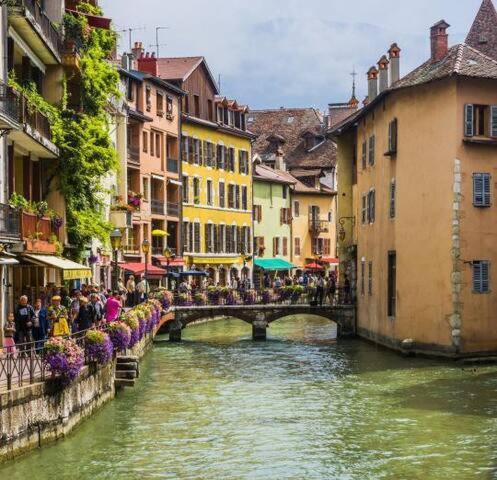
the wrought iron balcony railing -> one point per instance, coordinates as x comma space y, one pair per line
157, 207
318, 226
9, 222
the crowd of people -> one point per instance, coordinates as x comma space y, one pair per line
31, 324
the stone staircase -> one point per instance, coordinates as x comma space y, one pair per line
127, 371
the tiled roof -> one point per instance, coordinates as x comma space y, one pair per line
178, 68
262, 172
290, 124
483, 33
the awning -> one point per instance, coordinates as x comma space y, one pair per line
70, 270
173, 262
139, 269
8, 259
313, 266
215, 260
174, 182
273, 264
331, 261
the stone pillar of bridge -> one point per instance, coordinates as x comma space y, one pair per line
175, 331
259, 327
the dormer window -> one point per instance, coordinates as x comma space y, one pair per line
220, 114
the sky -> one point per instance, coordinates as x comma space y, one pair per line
290, 53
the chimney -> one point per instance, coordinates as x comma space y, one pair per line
383, 66
365, 102
138, 50
372, 83
148, 64
394, 54
279, 163
439, 41
127, 61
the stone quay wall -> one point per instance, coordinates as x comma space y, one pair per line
37, 414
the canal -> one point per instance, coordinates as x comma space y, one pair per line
298, 406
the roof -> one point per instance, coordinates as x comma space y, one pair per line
299, 173
461, 60
139, 269
483, 32
301, 187
180, 68
290, 124
142, 76
264, 173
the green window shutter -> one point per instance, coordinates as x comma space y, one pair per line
469, 126
493, 121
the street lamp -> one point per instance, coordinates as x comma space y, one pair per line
115, 241
245, 258
146, 251
168, 255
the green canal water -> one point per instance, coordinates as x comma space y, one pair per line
298, 406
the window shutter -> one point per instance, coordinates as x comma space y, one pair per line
364, 208
392, 136
469, 120
364, 156
486, 190
493, 120
477, 277
373, 207
481, 189
392, 199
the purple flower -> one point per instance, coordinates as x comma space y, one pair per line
100, 352
120, 335
135, 337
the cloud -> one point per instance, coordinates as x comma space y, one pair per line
272, 53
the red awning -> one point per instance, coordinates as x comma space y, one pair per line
313, 266
176, 262
139, 269
331, 261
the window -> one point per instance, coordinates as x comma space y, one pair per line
196, 237
186, 237
363, 272
370, 278
237, 197
259, 246
296, 209
364, 155
160, 104
169, 107
158, 143
209, 240
243, 164
196, 103
222, 195
258, 213
148, 98
285, 217
210, 111
196, 190
220, 156
371, 206
364, 211
146, 191
285, 246
392, 199
481, 189
186, 104
222, 239
276, 246
231, 196
372, 146
130, 88
285, 192
480, 120
191, 150
152, 144
481, 276
184, 148
220, 114
327, 247
244, 198
230, 166
209, 192
392, 283
186, 190
392, 137
145, 142
297, 247
330, 216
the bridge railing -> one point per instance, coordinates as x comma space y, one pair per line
219, 296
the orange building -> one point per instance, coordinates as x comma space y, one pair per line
416, 182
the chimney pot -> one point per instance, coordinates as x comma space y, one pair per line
439, 41
394, 54
383, 66
372, 83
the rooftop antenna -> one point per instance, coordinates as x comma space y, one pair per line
157, 44
353, 75
130, 31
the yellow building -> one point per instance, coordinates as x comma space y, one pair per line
216, 173
416, 181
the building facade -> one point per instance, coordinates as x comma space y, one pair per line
419, 244
216, 171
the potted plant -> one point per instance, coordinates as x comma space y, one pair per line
120, 335
64, 358
98, 347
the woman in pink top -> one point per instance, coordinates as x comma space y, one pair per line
113, 307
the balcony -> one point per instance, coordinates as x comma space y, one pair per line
9, 108
318, 226
39, 233
172, 165
133, 154
33, 25
35, 135
173, 209
9, 223
157, 207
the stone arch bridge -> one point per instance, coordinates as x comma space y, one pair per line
260, 316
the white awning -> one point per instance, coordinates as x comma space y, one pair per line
8, 260
157, 177
175, 182
70, 270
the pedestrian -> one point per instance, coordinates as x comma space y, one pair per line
74, 309
58, 317
84, 320
142, 290
9, 331
97, 309
65, 299
319, 295
346, 290
131, 289
40, 324
113, 307
24, 315
332, 288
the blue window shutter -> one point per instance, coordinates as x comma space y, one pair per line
485, 287
477, 277
469, 120
486, 189
493, 121
481, 276
478, 190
